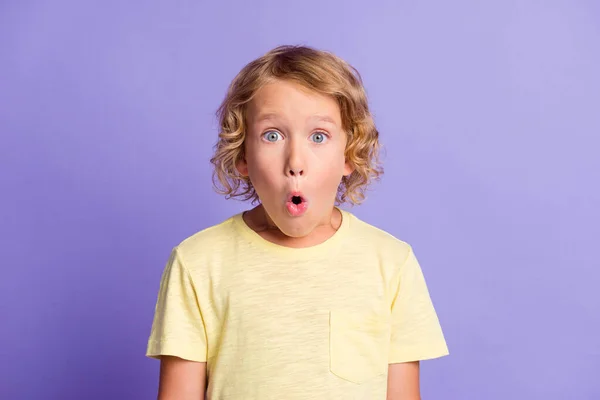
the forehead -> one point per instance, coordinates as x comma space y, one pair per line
293, 102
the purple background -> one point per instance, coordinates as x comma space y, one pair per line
490, 113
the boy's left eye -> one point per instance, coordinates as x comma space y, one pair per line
318, 137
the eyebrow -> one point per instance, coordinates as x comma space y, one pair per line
317, 118
266, 117
323, 118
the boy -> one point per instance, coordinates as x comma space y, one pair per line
295, 298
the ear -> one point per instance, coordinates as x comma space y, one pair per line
242, 167
348, 169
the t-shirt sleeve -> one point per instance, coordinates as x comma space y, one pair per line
178, 328
416, 332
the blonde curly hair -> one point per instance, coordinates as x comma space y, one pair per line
317, 70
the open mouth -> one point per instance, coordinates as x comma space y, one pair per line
297, 200
296, 204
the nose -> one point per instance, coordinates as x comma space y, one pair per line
295, 161
296, 172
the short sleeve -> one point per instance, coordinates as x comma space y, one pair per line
416, 331
178, 328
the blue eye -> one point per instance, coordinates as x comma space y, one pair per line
271, 136
318, 137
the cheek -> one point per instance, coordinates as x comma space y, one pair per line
262, 170
327, 172
331, 161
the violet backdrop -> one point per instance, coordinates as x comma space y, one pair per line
490, 115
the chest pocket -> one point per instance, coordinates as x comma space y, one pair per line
358, 345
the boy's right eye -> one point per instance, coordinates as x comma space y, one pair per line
272, 136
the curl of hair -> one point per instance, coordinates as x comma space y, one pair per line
317, 70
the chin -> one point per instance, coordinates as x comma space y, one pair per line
294, 227
291, 226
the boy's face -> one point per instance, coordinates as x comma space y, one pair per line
295, 160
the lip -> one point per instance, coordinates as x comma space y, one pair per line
296, 210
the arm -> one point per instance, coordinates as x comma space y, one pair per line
416, 331
403, 381
181, 379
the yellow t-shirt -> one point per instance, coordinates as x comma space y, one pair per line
274, 322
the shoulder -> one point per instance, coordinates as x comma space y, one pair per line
208, 242
376, 238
